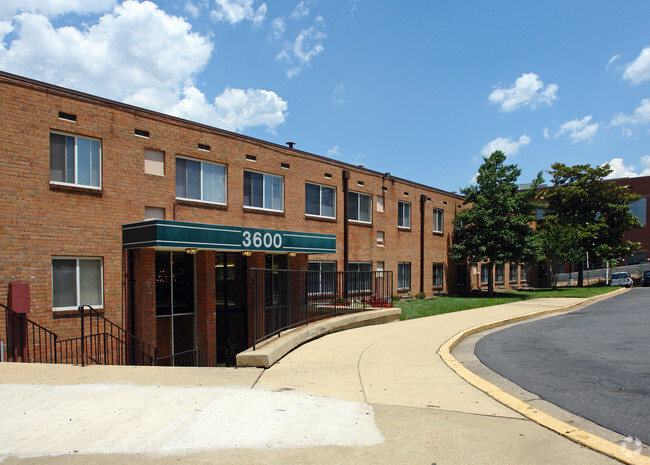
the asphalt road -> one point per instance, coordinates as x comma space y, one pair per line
594, 362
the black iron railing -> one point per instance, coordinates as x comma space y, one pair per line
285, 299
102, 342
28, 341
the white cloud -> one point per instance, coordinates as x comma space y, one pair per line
234, 11
546, 133
504, 144
579, 129
528, 90
641, 116
140, 55
234, 109
194, 8
300, 11
9, 8
302, 51
639, 70
619, 170
334, 152
278, 28
612, 60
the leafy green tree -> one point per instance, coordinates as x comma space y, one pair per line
559, 245
497, 228
594, 212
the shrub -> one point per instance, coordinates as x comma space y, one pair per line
421, 295
397, 298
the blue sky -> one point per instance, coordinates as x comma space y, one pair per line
420, 89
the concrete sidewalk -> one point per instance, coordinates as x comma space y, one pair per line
378, 394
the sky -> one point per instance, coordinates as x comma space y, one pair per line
422, 89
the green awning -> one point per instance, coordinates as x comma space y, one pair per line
178, 234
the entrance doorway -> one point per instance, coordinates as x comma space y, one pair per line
231, 307
175, 309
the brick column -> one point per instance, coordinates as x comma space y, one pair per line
144, 288
206, 334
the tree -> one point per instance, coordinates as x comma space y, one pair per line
497, 229
595, 212
559, 245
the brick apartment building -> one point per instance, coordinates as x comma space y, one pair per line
156, 220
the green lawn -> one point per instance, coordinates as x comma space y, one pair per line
420, 308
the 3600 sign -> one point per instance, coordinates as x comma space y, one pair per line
258, 240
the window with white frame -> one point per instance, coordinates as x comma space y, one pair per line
403, 214
524, 272
322, 280
437, 220
77, 281
380, 238
264, 191
359, 207
75, 160
403, 276
514, 272
320, 200
360, 280
200, 180
438, 274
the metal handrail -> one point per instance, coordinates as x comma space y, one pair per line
38, 344
110, 344
286, 299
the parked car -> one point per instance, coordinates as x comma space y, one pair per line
645, 280
622, 278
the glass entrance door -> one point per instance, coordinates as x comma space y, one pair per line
231, 307
175, 309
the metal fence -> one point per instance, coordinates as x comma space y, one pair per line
28, 341
285, 299
598, 275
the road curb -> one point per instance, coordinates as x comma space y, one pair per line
582, 437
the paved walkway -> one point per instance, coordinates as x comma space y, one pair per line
372, 395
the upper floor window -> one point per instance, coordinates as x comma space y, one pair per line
320, 200
403, 214
437, 220
359, 206
200, 180
76, 281
263, 191
75, 160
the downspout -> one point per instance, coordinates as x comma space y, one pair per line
423, 201
346, 236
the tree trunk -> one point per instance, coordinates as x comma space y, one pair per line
581, 274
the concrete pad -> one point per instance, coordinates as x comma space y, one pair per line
42, 420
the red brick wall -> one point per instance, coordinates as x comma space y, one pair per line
205, 303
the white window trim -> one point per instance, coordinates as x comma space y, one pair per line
320, 263
208, 202
441, 225
76, 158
409, 207
321, 200
250, 207
442, 274
77, 269
369, 210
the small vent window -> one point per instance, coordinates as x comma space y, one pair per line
141, 133
67, 116
328, 175
204, 147
251, 158
286, 166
